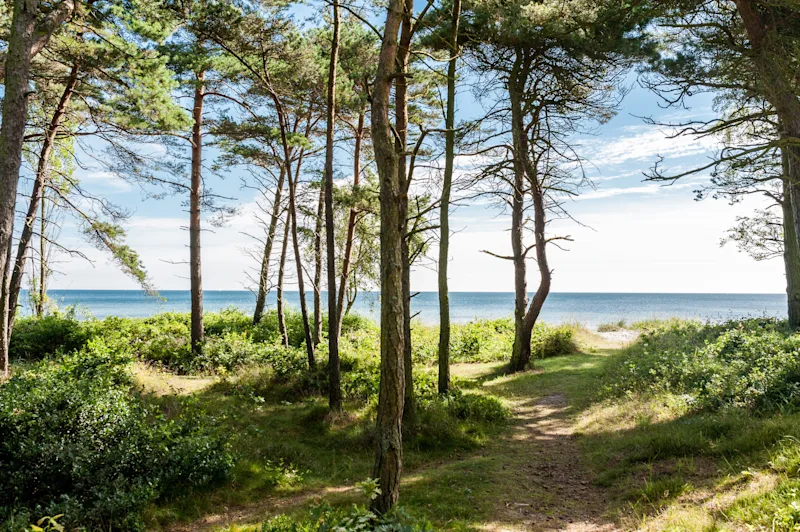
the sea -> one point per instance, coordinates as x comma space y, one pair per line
589, 309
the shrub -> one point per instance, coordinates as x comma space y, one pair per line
473, 407
75, 440
752, 364
551, 341
612, 327
325, 518
482, 341
35, 338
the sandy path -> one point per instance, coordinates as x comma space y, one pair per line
573, 503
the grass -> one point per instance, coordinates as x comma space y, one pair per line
653, 462
646, 458
327, 457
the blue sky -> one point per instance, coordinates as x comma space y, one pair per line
637, 236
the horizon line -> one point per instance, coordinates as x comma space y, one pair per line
421, 291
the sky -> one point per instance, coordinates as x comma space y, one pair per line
632, 235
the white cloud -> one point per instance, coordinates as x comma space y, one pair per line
646, 144
107, 181
601, 193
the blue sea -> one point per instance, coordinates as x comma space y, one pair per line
589, 309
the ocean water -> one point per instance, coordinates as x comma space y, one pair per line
590, 309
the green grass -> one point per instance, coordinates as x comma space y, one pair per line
653, 458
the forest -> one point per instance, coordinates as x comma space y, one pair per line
341, 117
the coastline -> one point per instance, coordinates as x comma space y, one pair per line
589, 309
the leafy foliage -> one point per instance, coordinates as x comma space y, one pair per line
325, 518
751, 364
75, 440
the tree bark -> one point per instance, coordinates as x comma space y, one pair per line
444, 212
281, 277
389, 441
335, 396
525, 315
778, 91
401, 141
351, 227
195, 198
37, 192
25, 40
791, 253
300, 277
42, 258
263, 278
316, 333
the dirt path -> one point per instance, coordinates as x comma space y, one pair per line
561, 493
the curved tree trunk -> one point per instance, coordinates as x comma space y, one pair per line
263, 278
389, 432
351, 227
335, 395
444, 212
525, 173
195, 198
42, 173
300, 276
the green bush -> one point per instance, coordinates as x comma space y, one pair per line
76, 440
482, 341
751, 364
35, 338
551, 341
473, 407
325, 518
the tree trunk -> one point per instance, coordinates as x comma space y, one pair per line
521, 351
195, 196
42, 173
389, 430
300, 277
791, 253
335, 396
316, 333
525, 316
779, 93
12, 133
42, 259
401, 141
281, 277
444, 213
351, 227
263, 278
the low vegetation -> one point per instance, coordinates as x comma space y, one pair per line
748, 364
700, 412
88, 436
106, 424
77, 439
